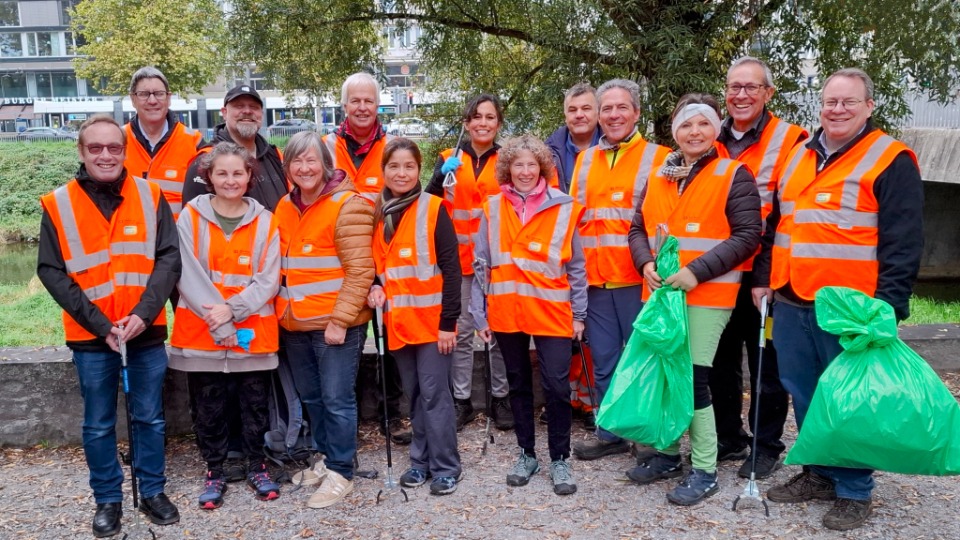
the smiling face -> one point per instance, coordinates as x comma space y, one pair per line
151, 110
361, 107
243, 116
743, 108
524, 171
102, 166
483, 126
841, 123
581, 114
401, 172
306, 171
230, 177
618, 116
695, 136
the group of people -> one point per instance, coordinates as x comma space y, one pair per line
515, 241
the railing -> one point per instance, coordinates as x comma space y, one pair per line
926, 114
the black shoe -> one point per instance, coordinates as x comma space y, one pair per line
642, 452
106, 521
766, 466
597, 448
400, 433
235, 469
589, 422
464, 410
502, 413
731, 452
657, 467
159, 510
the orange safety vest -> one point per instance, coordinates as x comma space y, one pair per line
110, 261
407, 268
465, 199
168, 167
610, 197
766, 160
529, 288
699, 221
310, 269
828, 230
235, 262
368, 179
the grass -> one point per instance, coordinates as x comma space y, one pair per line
930, 311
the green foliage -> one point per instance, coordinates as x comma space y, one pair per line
29, 316
185, 39
27, 171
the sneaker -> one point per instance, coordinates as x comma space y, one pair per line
805, 486
443, 485
414, 477
697, 486
731, 452
847, 514
311, 476
502, 413
333, 488
657, 467
642, 452
766, 466
213, 488
235, 469
563, 482
262, 485
464, 410
596, 449
525, 467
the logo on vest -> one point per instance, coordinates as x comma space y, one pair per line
823, 198
693, 227
129, 230
371, 181
616, 196
307, 248
170, 173
243, 260
406, 253
535, 247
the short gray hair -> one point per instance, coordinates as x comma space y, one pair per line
148, 72
301, 143
852, 73
579, 89
629, 86
359, 79
767, 76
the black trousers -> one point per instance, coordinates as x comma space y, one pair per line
368, 385
210, 398
554, 354
726, 381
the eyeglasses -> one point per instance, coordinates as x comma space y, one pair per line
750, 89
848, 103
143, 95
97, 149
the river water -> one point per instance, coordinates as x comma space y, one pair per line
18, 263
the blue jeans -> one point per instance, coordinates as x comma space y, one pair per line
610, 316
325, 376
803, 352
99, 374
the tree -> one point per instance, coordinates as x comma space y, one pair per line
183, 38
528, 51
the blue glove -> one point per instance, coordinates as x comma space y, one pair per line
244, 337
451, 164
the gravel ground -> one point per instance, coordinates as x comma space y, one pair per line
45, 496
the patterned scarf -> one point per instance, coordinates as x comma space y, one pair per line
362, 150
390, 209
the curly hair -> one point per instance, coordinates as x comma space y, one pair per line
224, 149
511, 149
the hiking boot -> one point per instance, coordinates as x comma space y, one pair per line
598, 448
263, 486
766, 466
731, 452
235, 469
464, 410
414, 477
805, 486
106, 520
642, 452
213, 487
525, 467
400, 433
562, 476
333, 488
697, 486
159, 510
502, 413
657, 467
847, 514
311, 476
443, 485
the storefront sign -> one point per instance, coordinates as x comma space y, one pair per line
17, 101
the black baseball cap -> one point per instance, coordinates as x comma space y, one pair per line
242, 90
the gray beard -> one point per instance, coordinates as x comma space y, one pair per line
246, 131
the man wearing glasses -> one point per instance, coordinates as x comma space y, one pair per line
160, 147
848, 212
754, 136
112, 277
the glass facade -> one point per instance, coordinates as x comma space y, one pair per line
11, 44
9, 13
13, 85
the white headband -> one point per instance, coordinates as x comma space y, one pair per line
692, 110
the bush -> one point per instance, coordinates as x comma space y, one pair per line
28, 171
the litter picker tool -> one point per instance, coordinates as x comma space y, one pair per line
450, 179
481, 270
752, 491
389, 484
591, 389
137, 527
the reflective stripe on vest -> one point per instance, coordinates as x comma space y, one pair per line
168, 167
465, 198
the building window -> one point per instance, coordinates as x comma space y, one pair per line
64, 84
11, 45
9, 13
65, 7
45, 43
44, 87
13, 85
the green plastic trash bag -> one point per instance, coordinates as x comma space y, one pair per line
878, 405
650, 398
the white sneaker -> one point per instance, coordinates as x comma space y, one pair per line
311, 476
333, 488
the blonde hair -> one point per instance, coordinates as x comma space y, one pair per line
511, 149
